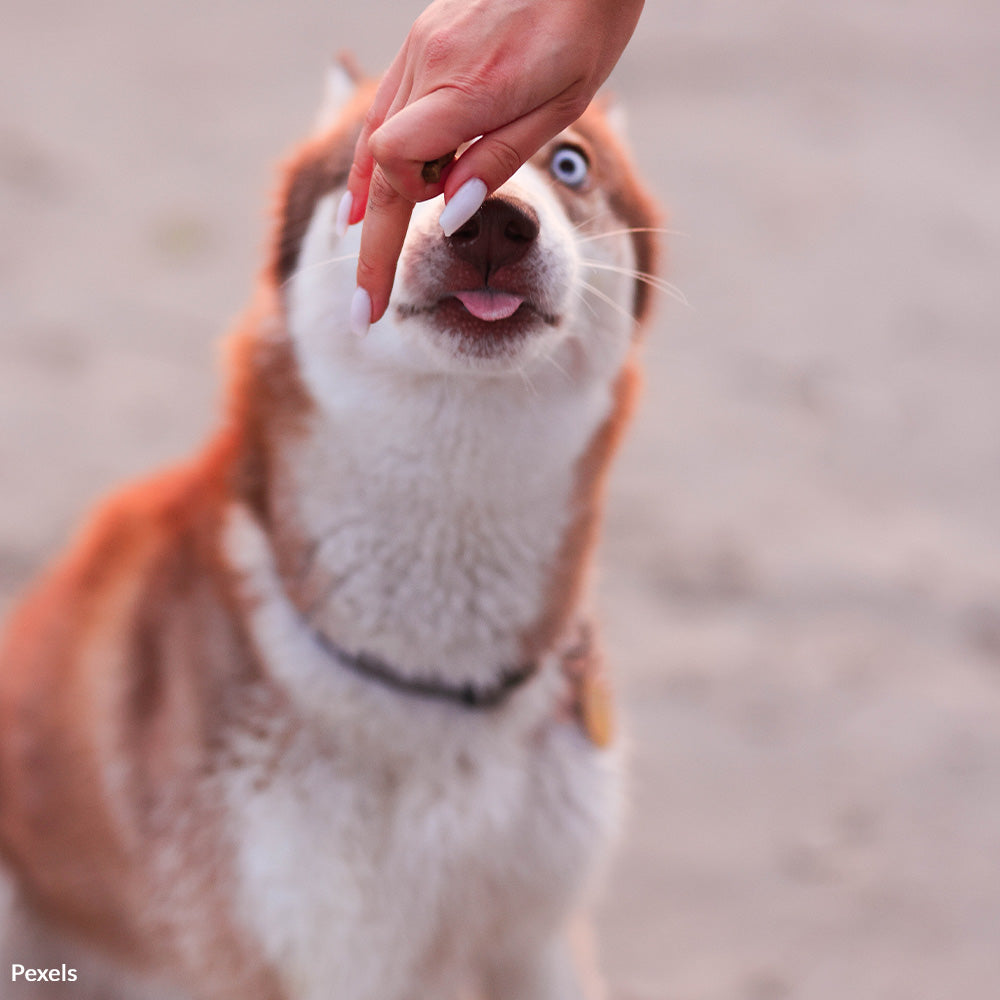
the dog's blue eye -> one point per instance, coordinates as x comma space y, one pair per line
570, 166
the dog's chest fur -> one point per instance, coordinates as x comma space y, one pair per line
427, 532
416, 862
393, 828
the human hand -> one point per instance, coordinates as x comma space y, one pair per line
515, 72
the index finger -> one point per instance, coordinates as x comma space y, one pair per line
363, 164
386, 219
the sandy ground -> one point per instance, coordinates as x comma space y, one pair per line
802, 568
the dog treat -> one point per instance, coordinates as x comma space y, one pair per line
433, 169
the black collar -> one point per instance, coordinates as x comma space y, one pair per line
467, 695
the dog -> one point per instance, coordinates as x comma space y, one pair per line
322, 712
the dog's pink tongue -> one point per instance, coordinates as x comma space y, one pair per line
488, 305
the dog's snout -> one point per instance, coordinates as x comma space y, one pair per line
499, 234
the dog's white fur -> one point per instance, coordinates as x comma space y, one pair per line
376, 845
466, 522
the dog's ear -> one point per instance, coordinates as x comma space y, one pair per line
617, 118
321, 163
343, 77
614, 114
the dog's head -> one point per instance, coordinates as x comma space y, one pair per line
483, 407
550, 275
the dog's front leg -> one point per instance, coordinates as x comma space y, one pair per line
548, 972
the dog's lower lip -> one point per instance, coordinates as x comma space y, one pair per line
450, 315
489, 305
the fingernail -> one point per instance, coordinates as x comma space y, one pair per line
464, 204
361, 312
344, 214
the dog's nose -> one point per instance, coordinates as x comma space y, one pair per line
500, 233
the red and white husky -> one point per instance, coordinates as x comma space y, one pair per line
320, 714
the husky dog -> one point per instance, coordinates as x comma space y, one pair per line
321, 713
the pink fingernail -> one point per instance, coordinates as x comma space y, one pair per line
464, 204
344, 215
361, 312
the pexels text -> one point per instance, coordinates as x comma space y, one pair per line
62, 975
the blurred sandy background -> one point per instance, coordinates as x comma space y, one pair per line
802, 569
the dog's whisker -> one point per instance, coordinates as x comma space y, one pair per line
579, 294
526, 380
633, 229
547, 357
617, 306
654, 281
319, 264
580, 226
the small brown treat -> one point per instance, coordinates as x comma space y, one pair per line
433, 169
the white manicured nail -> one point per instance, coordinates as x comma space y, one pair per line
464, 204
361, 312
343, 214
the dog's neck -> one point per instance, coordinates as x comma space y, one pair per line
424, 519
